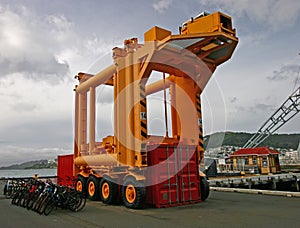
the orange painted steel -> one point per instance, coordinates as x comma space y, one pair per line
130, 193
189, 58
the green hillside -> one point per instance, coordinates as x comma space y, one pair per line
284, 141
40, 164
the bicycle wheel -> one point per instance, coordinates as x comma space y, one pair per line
9, 192
24, 199
49, 206
43, 203
37, 202
78, 202
15, 197
31, 201
18, 198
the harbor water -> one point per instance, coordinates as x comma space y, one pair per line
15, 173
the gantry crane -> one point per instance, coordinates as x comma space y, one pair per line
131, 165
282, 115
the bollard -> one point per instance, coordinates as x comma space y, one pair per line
295, 184
273, 183
249, 183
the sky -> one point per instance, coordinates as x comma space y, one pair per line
44, 44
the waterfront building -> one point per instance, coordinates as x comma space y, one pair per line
255, 160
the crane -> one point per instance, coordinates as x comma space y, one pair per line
281, 116
132, 166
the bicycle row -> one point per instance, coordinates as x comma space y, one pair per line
43, 197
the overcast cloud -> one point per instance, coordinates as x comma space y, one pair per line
285, 72
43, 44
273, 14
162, 5
30, 44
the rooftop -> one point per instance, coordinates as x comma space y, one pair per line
254, 151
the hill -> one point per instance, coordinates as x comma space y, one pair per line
284, 141
40, 164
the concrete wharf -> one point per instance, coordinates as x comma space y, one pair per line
287, 181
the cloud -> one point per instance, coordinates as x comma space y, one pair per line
262, 108
9, 95
233, 99
30, 45
249, 117
16, 154
272, 14
43, 131
45, 47
162, 5
256, 108
24, 107
284, 73
105, 95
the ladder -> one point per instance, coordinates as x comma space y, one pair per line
282, 115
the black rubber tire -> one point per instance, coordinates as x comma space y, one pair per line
37, 203
95, 181
18, 199
204, 187
140, 194
78, 202
49, 207
5, 189
83, 181
9, 192
24, 199
113, 192
32, 201
43, 203
30, 196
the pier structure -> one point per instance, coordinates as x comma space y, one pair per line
286, 182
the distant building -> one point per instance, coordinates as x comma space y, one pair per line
255, 160
292, 155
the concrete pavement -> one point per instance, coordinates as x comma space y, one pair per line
222, 209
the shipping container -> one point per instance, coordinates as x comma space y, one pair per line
172, 176
65, 175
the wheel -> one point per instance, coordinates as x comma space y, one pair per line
77, 201
8, 192
5, 190
49, 206
24, 199
15, 197
37, 203
93, 188
204, 187
80, 184
133, 194
43, 204
108, 191
31, 202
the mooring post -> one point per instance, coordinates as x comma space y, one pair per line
273, 183
249, 183
295, 183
